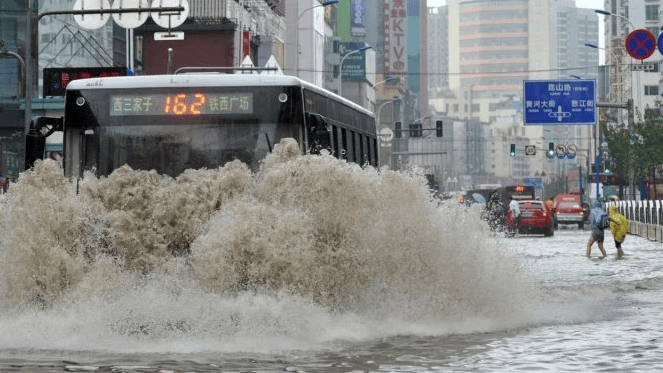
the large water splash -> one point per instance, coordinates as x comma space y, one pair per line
312, 233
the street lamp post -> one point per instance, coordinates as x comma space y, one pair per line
340, 67
325, 3
20, 59
377, 119
616, 63
388, 80
580, 188
606, 13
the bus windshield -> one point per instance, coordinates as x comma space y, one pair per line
173, 129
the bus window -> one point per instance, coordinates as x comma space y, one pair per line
357, 148
157, 123
335, 147
350, 146
343, 144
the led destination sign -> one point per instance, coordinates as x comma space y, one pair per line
181, 104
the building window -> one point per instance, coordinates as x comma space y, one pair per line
455, 108
651, 90
651, 12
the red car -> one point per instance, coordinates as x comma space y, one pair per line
534, 218
568, 210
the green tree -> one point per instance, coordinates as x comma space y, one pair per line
637, 151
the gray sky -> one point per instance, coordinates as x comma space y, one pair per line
591, 4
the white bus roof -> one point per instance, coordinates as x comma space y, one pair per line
202, 80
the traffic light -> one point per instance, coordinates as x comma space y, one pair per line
551, 150
438, 128
397, 130
512, 153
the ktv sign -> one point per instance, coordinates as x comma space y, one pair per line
395, 28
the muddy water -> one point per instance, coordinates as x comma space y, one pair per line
310, 264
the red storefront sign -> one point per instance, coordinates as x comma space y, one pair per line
395, 26
246, 43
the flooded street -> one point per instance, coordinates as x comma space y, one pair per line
279, 279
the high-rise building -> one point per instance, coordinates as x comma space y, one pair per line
641, 85
492, 47
438, 50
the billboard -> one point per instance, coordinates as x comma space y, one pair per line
354, 66
57, 79
358, 18
395, 48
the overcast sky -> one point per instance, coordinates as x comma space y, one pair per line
592, 4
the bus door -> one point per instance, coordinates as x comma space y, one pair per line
81, 146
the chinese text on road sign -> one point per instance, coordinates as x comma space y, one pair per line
559, 102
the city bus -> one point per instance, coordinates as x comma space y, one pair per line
170, 123
518, 192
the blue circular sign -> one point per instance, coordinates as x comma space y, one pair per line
640, 44
660, 41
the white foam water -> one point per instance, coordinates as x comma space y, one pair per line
307, 251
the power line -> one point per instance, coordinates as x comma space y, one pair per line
496, 73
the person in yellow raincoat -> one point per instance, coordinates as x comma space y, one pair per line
618, 227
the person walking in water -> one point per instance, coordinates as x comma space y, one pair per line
514, 206
618, 227
600, 221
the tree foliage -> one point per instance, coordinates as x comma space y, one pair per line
637, 151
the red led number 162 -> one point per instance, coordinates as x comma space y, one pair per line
178, 106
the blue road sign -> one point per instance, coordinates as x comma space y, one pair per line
660, 43
559, 102
536, 182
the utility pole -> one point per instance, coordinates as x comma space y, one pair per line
631, 121
30, 38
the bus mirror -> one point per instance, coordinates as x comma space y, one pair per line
46, 125
35, 139
35, 144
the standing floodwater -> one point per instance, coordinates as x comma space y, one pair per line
311, 264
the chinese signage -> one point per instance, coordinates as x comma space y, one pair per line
395, 50
354, 66
559, 101
358, 17
181, 104
57, 79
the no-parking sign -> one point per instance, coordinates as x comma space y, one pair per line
640, 44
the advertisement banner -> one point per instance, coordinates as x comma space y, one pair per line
358, 18
354, 66
395, 26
